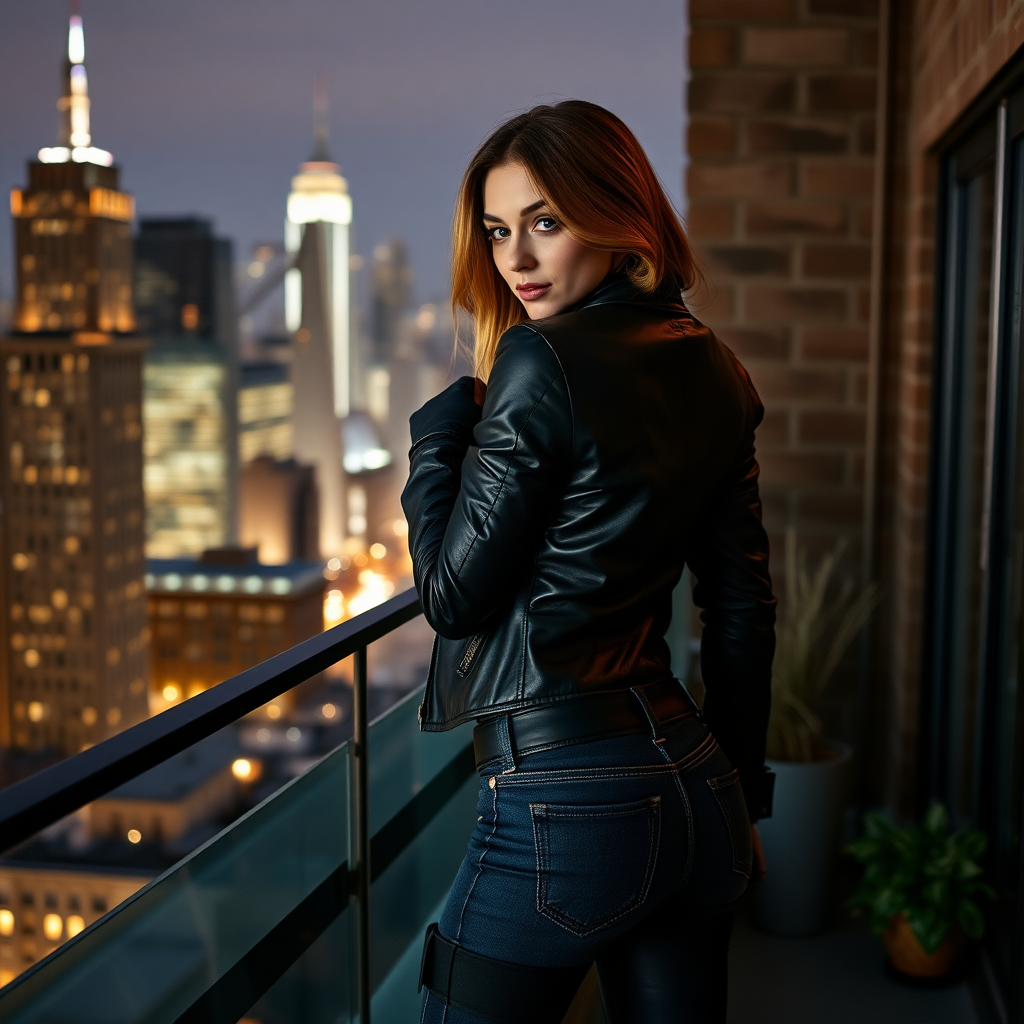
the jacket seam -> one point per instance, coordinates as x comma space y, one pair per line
504, 476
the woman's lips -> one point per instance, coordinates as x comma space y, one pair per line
530, 291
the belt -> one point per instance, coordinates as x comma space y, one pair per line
600, 716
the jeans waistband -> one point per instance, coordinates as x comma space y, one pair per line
599, 716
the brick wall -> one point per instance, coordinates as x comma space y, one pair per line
946, 52
782, 107
781, 137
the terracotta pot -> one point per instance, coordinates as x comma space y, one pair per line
908, 957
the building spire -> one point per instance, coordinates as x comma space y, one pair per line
321, 131
75, 142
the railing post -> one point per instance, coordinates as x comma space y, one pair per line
361, 832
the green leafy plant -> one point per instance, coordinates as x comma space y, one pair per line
930, 876
816, 625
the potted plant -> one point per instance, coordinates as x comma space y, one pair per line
921, 887
817, 622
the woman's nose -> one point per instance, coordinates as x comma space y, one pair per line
520, 256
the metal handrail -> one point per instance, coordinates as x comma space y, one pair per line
44, 798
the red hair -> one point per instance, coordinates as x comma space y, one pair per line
597, 179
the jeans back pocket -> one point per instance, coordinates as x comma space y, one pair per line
729, 794
594, 863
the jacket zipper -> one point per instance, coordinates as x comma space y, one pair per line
467, 658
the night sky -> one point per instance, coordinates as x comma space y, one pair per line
207, 104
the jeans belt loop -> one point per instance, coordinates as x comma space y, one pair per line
508, 757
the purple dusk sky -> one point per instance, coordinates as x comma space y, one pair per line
207, 104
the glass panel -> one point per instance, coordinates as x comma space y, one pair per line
966, 582
1004, 762
154, 955
406, 897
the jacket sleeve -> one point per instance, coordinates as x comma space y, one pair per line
476, 515
734, 591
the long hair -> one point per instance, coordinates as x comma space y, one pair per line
597, 179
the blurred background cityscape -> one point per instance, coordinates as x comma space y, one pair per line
212, 336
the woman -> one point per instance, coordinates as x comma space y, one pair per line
551, 513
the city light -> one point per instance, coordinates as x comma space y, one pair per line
171, 692
74, 925
134, 835
329, 711
36, 711
6, 922
378, 551
273, 712
53, 926
241, 768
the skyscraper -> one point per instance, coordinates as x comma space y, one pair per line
184, 300
74, 628
326, 371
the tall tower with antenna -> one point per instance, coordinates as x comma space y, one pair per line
318, 310
73, 630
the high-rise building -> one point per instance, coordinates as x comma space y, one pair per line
326, 369
74, 632
391, 297
184, 301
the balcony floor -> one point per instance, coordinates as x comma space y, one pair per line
836, 977
833, 978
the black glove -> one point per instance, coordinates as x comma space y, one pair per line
455, 412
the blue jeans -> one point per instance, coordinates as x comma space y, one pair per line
629, 852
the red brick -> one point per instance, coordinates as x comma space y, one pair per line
828, 344
730, 92
713, 304
774, 428
837, 261
795, 303
781, 384
747, 260
750, 343
749, 178
866, 136
846, 8
712, 47
839, 177
796, 136
800, 468
835, 508
865, 219
711, 136
869, 47
796, 47
710, 220
742, 10
798, 217
817, 427
842, 92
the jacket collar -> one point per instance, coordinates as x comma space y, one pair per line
617, 287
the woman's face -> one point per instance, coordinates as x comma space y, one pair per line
545, 266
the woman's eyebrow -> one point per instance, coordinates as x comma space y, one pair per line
522, 213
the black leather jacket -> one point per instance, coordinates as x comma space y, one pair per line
615, 445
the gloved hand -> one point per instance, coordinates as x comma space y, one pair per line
456, 411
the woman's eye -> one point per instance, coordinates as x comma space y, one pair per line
495, 234
546, 224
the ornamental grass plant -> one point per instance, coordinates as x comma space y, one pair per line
816, 625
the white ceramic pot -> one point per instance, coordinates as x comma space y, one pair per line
801, 843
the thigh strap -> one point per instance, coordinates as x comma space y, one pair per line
494, 990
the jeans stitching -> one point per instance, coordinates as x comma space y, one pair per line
577, 928
476, 878
692, 760
717, 785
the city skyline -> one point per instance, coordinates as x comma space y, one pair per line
209, 110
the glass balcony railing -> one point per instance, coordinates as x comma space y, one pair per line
306, 908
